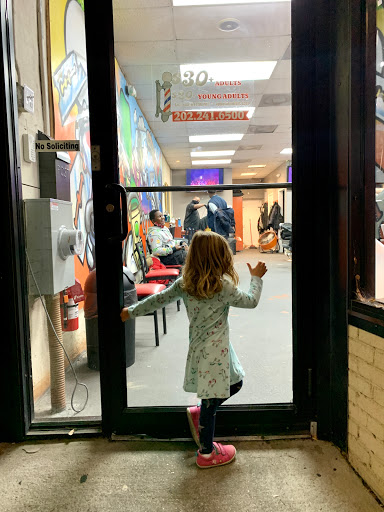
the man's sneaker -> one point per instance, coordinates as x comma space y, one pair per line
220, 456
193, 414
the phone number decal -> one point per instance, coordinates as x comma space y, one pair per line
203, 115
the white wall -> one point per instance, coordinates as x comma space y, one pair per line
251, 214
181, 199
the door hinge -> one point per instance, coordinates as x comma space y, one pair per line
313, 429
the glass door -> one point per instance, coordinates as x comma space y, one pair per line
178, 108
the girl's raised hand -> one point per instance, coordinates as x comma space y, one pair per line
259, 270
124, 315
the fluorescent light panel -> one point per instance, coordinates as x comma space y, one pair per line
248, 173
259, 165
286, 151
183, 3
222, 137
198, 154
210, 162
232, 71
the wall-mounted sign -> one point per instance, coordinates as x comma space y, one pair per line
49, 146
210, 115
200, 90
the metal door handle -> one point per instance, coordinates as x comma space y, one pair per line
124, 211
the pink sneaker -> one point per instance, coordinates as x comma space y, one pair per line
220, 456
193, 414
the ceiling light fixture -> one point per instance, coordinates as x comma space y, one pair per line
286, 151
222, 137
248, 173
183, 3
228, 25
231, 71
198, 154
210, 162
258, 165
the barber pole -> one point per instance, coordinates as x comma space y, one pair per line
166, 87
167, 100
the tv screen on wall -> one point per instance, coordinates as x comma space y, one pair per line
202, 177
289, 174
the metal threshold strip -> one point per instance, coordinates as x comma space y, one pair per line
143, 437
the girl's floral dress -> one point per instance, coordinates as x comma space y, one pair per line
212, 365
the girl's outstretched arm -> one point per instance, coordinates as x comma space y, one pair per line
240, 299
150, 304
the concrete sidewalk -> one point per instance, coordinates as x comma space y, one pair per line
97, 475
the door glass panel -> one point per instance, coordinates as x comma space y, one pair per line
57, 192
204, 98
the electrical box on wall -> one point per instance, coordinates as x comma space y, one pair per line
51, 243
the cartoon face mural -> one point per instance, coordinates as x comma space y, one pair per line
71, 114
140, 165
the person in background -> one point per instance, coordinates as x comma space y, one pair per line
161, 241
192, 217
208, 287
214, 203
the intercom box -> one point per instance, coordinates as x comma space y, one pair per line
43, 220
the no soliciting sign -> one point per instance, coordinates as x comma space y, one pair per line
47, 146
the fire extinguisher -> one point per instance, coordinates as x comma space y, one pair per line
69, 305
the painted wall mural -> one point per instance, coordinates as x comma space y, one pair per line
71, 115
140, 164
140, 157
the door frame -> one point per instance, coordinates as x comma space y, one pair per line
325, 38
159, 422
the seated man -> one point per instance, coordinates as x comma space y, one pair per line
162, 244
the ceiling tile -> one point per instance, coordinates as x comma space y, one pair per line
255, 20
137, 75
282, 69
155, 24
144, 53
279, 86
145, 92
231, 50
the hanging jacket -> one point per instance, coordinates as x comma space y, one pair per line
262, 224
275, 216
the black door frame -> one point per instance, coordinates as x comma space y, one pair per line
325, 38
156, 421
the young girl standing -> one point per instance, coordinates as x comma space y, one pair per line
208, 288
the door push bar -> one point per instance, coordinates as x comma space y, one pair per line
207, 188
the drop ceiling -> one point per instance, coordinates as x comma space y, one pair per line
152, 36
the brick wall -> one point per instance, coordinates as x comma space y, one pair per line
366, 407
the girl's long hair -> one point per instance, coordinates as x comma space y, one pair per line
209, 259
